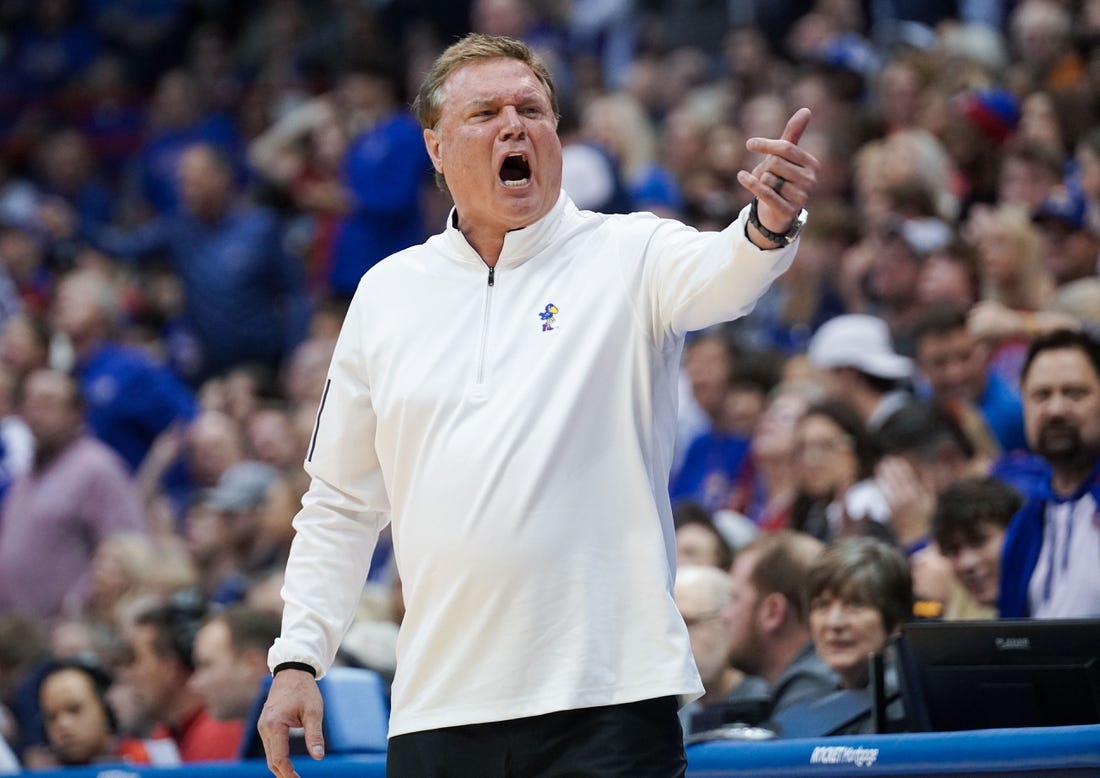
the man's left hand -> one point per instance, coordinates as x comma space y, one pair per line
783, 181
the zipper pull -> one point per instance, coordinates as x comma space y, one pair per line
492, 275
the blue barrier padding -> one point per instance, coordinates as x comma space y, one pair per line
357, 766
1031, 752
1027, 751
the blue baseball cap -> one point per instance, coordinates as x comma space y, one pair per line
1065, 205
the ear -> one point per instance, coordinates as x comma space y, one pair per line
772, 612
433, 141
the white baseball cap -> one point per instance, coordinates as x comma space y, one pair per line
859, 341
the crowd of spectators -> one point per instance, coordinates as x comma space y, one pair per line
191, 189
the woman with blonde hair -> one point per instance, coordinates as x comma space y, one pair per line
1015, 284
619, 124
130, 566
1008, 254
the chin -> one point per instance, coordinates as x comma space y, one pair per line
985, 597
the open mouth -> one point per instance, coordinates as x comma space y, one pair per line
515, 170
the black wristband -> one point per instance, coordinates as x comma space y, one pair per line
779, 239
754, 219
294, 666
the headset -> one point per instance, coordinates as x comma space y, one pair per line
186, 612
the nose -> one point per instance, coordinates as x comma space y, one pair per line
1059, 403
836, 614
1054, 407
511, 125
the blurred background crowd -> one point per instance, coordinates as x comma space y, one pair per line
191, 189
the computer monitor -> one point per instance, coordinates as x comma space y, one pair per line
1002, 673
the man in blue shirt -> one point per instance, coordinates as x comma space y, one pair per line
128, 398
1048, 564
385, 171
244, 294
955, 365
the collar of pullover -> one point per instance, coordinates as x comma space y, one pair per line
519, 245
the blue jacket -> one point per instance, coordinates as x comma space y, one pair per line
1024, 540
710, 469
130, 400
385, 169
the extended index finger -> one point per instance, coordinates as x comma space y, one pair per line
786, 146
797, 125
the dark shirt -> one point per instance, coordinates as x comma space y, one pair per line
245, 298
807, 677
46, 60
746, 704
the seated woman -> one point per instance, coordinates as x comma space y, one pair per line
834, 459
859, 593
79, 724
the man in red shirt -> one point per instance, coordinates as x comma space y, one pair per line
161, 641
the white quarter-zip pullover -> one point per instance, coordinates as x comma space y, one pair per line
516, 425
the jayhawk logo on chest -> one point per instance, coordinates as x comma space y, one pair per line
549, 317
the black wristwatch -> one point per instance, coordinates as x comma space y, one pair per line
780, 239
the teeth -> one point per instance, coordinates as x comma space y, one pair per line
517, 182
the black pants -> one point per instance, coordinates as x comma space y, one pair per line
632, 740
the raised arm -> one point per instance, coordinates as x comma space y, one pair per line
782, 181
698, 279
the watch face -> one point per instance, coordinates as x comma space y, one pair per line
796, 228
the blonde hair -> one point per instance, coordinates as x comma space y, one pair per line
916, 155
1032, 287
623, 126
475, 47
151, 566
